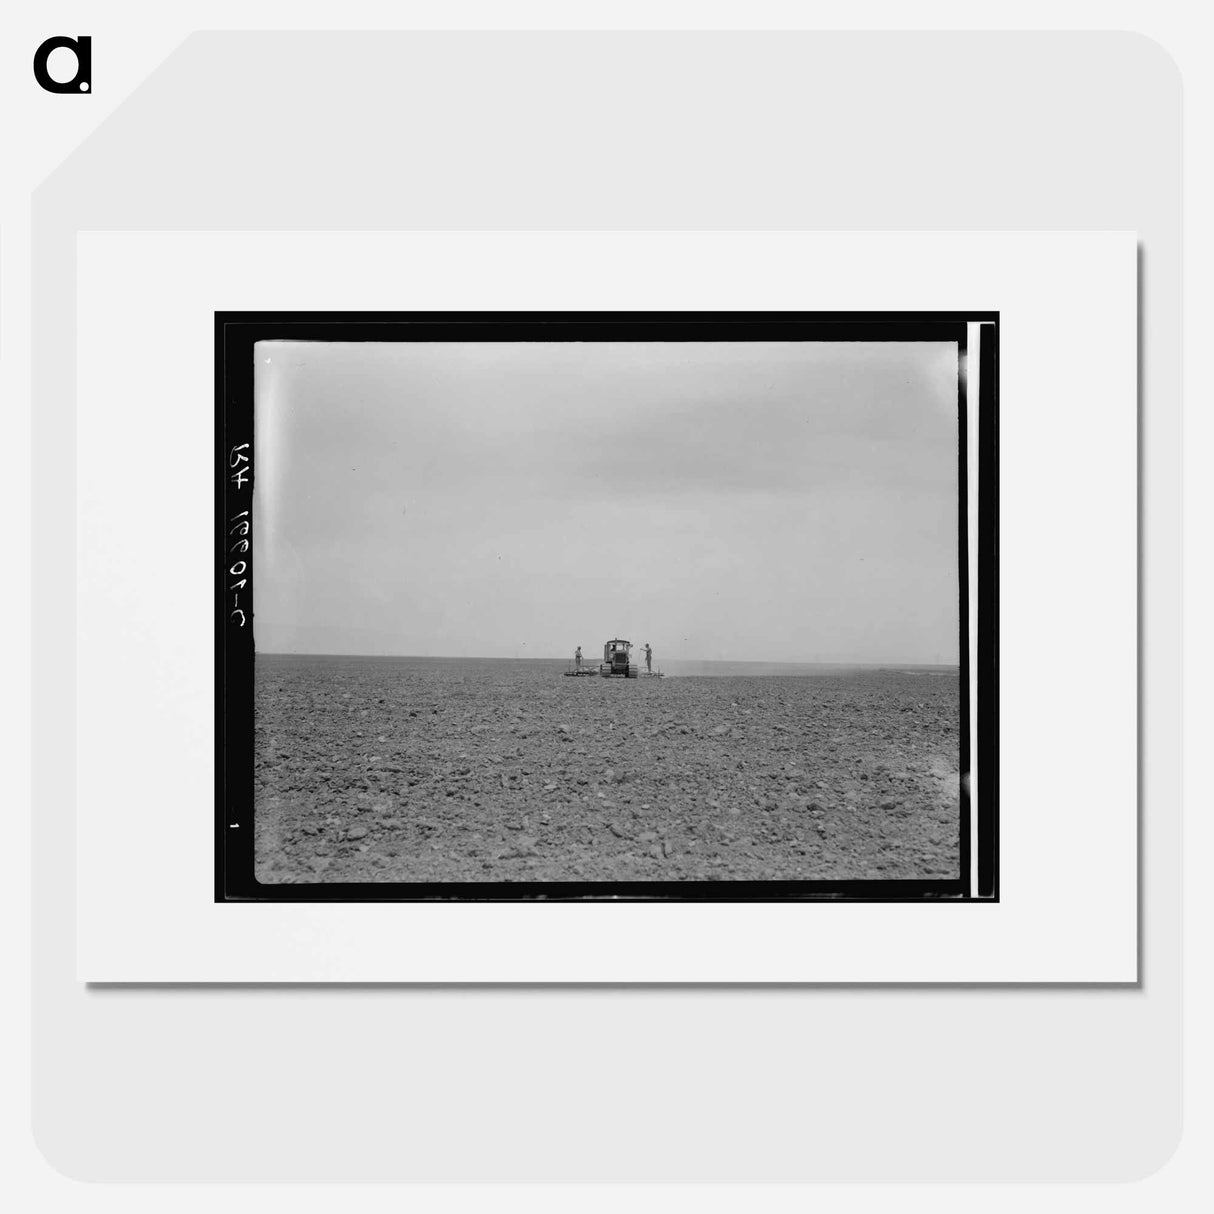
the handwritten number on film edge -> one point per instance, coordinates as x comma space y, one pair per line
241, 478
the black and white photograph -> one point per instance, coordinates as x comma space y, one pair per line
595, 606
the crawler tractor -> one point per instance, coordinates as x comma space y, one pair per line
617, 660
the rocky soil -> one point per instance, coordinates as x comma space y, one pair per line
389, 770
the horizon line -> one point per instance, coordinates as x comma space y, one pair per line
452, 657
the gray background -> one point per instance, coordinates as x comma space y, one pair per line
609, 131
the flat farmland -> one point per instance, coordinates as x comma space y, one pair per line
437, 770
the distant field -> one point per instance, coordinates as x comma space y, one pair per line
436, 769
801, 669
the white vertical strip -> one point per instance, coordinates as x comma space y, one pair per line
973, 351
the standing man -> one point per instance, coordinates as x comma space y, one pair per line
577, 658
648, 658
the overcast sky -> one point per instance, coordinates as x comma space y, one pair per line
740, 500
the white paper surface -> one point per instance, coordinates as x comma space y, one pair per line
1068, 424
